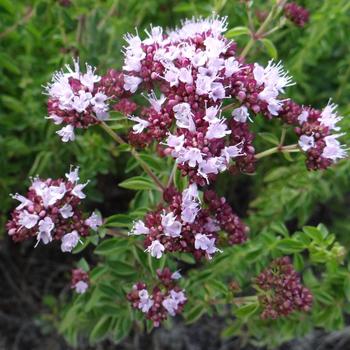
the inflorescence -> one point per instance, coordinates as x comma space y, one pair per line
51, 211
79, 281
166, 298
296, 13
184, 225
283, 291
201, 78
76, 100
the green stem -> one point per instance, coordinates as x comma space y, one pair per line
144, 166
244, 300
231, 105
274, 12
172, 174
112, 134
283, 136
109, 14
278, 149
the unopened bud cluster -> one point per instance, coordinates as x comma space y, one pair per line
283, 291
51, 211
296, 13
166, 298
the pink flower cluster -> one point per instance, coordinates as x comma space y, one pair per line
50, 211
200, 77
79, 281
297, 14
76, 100
283, 291
197, 70
165, 299
193, 67
314, 129
185, 226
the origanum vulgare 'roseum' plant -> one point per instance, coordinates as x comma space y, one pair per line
189, 98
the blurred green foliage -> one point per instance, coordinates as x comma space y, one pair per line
39, 36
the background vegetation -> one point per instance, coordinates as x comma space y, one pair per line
39, 36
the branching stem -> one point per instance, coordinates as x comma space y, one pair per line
278, 149
144, 166
275, 10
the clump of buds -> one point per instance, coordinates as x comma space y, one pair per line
225, 217
79, 281
185, 226
297, 14
51, 211
166, 298
283, 291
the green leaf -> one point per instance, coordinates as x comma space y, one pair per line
246, 311
107, 290
270, 48
122, 269
298, 262
100, 330
111, 245
231, 330
269, 137
280, 227
289, 245
184, 7
277, 174
152, 161
83, 265
118, 220
97, 272
8, 6
122, 328
7, 63
187, 258
195, 313
81, 246
322, 296
314, 233
347, 287
237, 31
138, 183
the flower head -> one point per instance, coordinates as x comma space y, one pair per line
51, 211
284, 291
76, 100
79, 281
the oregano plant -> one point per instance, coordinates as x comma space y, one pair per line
185, 106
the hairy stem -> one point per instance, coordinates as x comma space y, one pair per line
144, 166
278, 149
